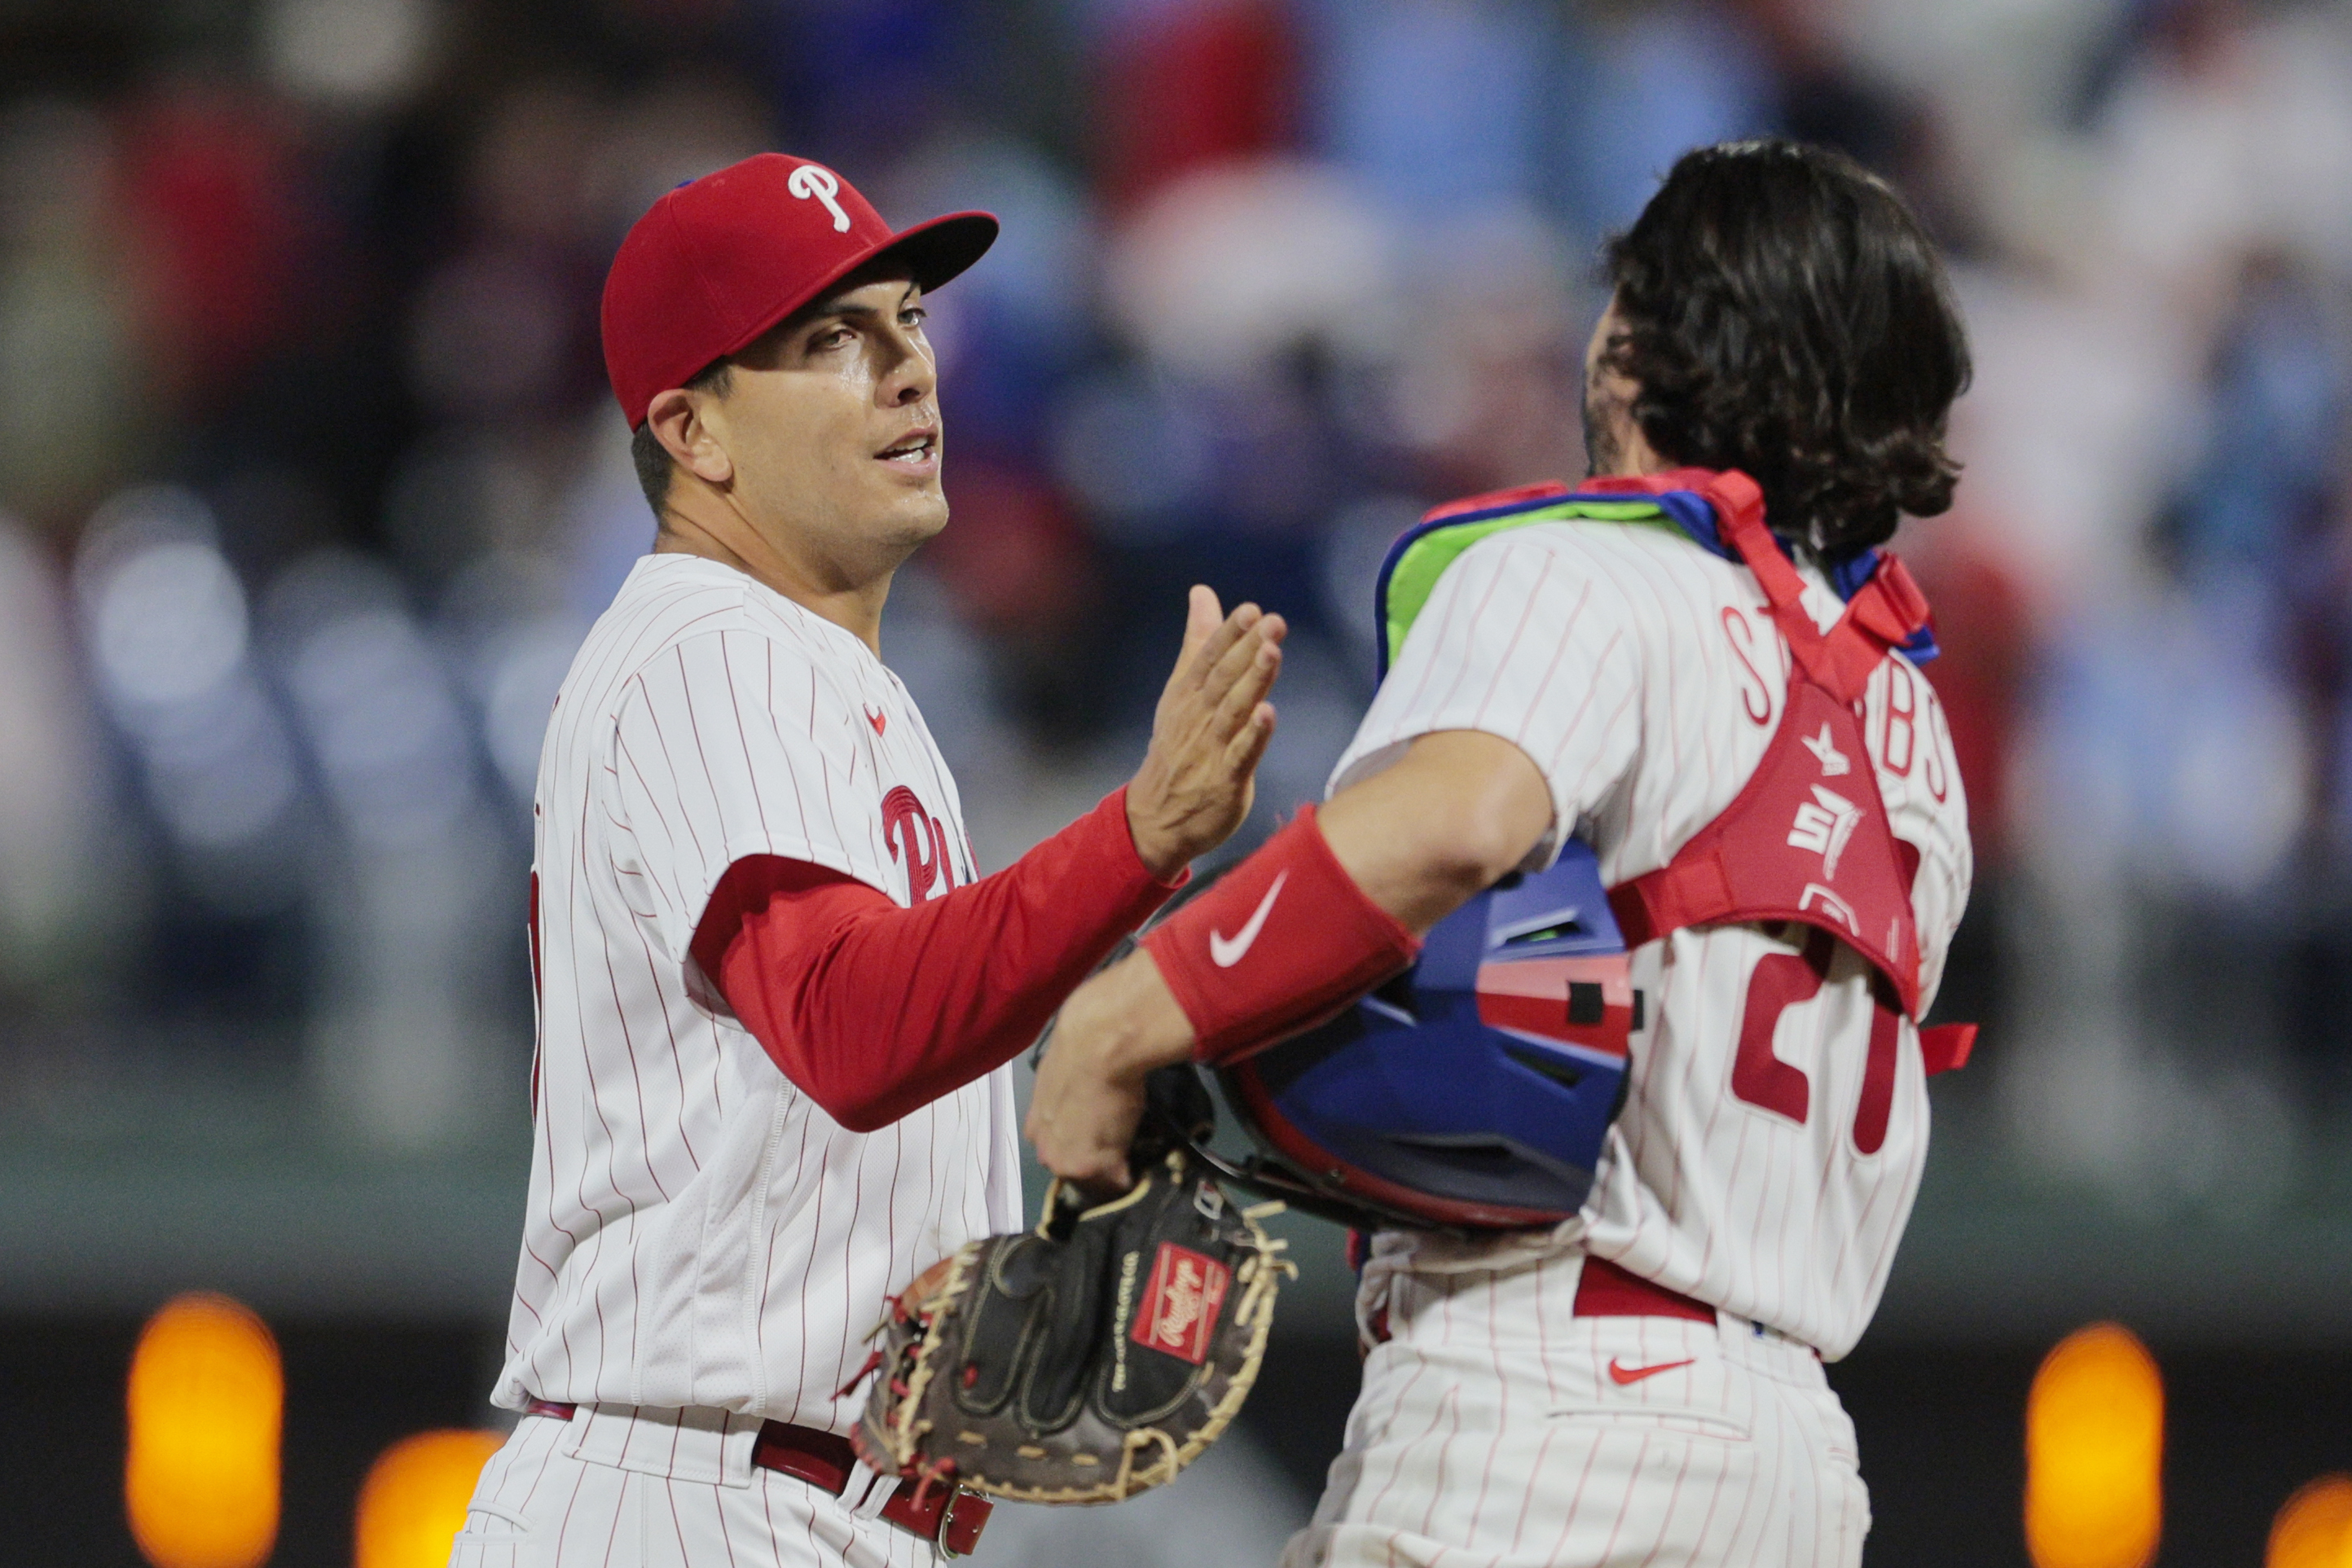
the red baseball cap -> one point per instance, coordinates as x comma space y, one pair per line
722, 259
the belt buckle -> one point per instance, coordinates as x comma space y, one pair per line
957, 1492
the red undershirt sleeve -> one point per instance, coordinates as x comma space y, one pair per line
873, 1010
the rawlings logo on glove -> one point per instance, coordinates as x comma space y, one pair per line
1180, 1305
1085, 1361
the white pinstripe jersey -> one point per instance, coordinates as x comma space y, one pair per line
1644, 677
701, 1232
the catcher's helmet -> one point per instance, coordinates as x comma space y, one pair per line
1473, 1091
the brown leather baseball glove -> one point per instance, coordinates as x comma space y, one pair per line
1085, 1361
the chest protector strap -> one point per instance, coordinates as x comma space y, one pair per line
1807, 838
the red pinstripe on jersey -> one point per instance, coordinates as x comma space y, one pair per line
699, 1233
559, 1496
1629, 665
1735, 1452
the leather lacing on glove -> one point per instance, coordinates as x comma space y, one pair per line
1087, 1360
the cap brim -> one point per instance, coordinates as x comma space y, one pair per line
933, 253
937, 251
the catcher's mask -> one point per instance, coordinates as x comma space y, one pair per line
1471, 1093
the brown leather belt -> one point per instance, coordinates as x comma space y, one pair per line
943, 1513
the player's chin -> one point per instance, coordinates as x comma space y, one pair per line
918, 514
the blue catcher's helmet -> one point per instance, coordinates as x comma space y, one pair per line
1472, 1092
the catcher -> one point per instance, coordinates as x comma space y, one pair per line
1698, 676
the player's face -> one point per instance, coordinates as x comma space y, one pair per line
833, 425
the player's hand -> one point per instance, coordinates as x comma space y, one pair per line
1201, 774
1111, 1033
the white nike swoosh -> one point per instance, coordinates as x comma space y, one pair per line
1226, 951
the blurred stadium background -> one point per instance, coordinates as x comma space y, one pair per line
310, 485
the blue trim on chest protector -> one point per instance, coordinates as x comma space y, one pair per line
1846, 575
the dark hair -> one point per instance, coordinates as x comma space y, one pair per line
1784, 314
652, 459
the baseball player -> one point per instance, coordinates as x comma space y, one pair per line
776, 999
1644, 1385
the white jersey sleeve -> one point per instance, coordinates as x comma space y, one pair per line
1518, 643
732, 744
1643, 676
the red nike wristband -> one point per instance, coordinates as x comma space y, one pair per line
1283, 941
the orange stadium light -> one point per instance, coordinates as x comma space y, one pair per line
2314, 1529
2094, 1453
205, 1403
414, 1498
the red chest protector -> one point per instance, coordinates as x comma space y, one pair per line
1807, 838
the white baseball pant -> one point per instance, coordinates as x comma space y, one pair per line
623, 1488
1496, 1427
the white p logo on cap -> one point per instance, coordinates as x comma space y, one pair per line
817, 180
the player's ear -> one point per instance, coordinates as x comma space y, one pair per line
677, 419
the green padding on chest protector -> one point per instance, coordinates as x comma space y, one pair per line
1421, 557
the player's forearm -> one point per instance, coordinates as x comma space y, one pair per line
884, 1010
1393, 847
1378, 865
1319, 916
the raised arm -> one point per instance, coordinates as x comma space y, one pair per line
1330, 906
873, 1010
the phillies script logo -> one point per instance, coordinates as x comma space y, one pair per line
921, 838
1180, 1303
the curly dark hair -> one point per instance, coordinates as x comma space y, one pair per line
1783, 313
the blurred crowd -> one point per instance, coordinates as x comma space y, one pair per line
312, 484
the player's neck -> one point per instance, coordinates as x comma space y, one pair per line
853, 603
1629, 456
